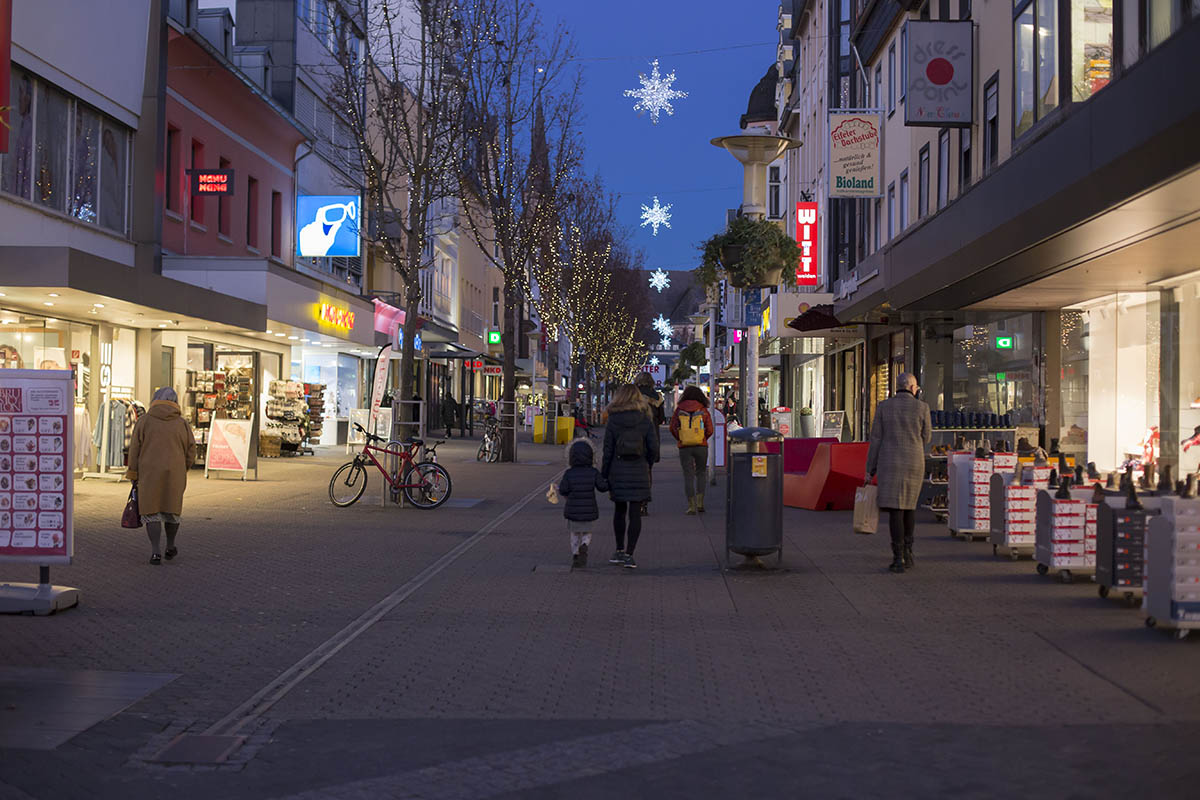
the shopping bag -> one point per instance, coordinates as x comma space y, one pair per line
131, 517
866, 513
552, 494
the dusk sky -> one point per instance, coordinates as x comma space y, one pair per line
673, 159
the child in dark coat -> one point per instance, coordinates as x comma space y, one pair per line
579, 485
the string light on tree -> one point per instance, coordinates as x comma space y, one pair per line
659, 280
655, 94
663, 326
656, 215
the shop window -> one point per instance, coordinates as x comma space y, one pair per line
50, 187
991, 123
196, 202
173, 195
903, 200
964, 9
223, 205
276, 224
1091, 47
998, 377
251, 212
891, 211
114, 177
84, 164
878, 222
943, 173
964, 159
892, 77
1035, 68
1163, 18
923, 183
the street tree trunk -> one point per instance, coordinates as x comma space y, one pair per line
508, 444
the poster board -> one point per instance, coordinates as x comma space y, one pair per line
832, 423
229, 446
36, 486
854, 151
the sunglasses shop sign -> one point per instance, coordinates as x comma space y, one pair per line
328, 225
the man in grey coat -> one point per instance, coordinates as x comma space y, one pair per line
900, 434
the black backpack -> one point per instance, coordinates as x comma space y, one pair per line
631, 444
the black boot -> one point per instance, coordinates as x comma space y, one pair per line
897, 564
909, 562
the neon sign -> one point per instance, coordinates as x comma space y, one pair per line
807, 273
337, 317
212, 181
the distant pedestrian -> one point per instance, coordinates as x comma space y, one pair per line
900, 434
161, 451
692, 427
449, 414
630, 447
654, 402
579, 485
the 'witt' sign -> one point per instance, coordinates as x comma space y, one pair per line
806, 236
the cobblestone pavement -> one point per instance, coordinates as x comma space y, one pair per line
507, 675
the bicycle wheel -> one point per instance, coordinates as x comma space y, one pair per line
493, 450
434, 488
482, 453
347, 484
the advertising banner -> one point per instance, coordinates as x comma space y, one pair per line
855, 148
381, 372
808, 271
940, 64
229, 446
36, 486
327, 225
831, 424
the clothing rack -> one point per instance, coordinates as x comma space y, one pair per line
103, 470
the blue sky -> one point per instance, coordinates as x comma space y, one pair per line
672, 159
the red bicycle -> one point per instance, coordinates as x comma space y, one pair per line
425, 484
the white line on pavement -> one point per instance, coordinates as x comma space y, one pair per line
273, 692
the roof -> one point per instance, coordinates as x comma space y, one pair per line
761, 107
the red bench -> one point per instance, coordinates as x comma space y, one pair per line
833, 472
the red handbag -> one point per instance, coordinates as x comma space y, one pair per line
131, 517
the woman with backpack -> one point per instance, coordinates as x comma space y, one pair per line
692, 427
630, 447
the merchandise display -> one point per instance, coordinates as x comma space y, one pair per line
969, 488
315, 397
1172, 587
288, 420
1121, 545
1013, 514
1066, 536
937, 493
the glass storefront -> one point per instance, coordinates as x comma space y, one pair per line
995, 368
336, 382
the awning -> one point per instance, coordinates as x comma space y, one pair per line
817, 318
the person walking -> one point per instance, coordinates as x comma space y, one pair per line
692, 427
900, 435
579, 485
654, 401
449, 414
161, 451
630, 447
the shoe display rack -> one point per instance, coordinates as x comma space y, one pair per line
1014, 515
935, 493
1172, 586
315, 396
1066, 536
968, 494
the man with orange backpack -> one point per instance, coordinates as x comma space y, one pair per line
692, 426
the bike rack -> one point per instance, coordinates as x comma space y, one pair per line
506, 411
401, 428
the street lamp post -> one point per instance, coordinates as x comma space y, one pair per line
755, 151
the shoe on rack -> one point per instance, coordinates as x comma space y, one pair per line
156, 559
629, 562
583, 548
617, 558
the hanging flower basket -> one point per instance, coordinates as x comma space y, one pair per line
749, 253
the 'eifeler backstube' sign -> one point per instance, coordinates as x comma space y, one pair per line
939, 73
855, 139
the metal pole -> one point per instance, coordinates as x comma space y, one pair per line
712, 387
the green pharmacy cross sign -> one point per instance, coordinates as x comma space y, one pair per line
493, 337
1004, 343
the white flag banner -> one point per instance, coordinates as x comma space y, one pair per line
940, 65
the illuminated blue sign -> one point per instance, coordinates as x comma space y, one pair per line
400, 339
327, 225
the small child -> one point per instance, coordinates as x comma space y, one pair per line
579, 484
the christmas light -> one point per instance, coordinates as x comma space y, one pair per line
653, 361
656, 215
663, 326
665, 344
659, 279
655, 94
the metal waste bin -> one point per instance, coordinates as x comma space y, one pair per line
754, 494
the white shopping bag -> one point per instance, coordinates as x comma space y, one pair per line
552, 494
866, 513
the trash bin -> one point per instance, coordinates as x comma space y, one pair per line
566, 429
754, 494
539, 429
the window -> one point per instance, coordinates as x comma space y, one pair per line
943, 173
773, 198
50, 185
943, 9
991, 123
173, 169
964, 9
496, 307
1035, 69
84, 163
17, 175
1091, 48
251, 212
878, 97
114, 175
276, 224
964, 159
903, 62
878, 222
924, 12
845, 29
892, 77
197, 203
1163, 17
903, 200
223, 205
891, 210
923, 182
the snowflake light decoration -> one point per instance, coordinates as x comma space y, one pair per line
659, 280
663, 326
656, 215
655, 94
665, 344
653, 361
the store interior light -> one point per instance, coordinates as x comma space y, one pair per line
281, 334
270, 332
162, 324
97, 305
47, 303
2, 294
293, 338
52, 294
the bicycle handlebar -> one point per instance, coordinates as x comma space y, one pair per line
370, 436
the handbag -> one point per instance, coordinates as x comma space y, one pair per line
866, 513
131, 517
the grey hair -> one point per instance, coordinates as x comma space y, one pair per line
166, 393
905, 380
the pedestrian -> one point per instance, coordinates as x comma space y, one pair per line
900, 435
161, 450
579, 485
449, 414
630, 447
692, 427
654, 401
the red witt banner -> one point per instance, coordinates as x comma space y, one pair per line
807, 272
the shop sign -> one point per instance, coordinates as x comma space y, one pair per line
657, 371
36, 485
229, 446
212, 181
336, 316
417, 343
493, 337
855, 147
492, 369
1004, 343
940, 65
327, 225
807, 272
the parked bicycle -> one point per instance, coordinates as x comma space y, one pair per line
430, 450
426, 484
489, 448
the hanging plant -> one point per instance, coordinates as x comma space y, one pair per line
750, 252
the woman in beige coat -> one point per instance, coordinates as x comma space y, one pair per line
161, 451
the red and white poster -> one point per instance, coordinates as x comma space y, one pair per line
807, 272
36, 488
381, 373
229, 446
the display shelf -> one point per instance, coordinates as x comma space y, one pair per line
1172, 585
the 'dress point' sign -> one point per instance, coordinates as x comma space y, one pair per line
940, 62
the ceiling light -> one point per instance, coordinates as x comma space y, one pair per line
2, 294
51, 319
52, 294
293, 338
97, 305
281, 334
162, 324
270, 332
47, 303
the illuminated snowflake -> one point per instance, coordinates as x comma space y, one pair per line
656, 93
653, 361
656, 215
658, 278
663, 326
665, 344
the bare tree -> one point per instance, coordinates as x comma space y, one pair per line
523, 97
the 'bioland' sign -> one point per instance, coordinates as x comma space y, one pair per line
855, 144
